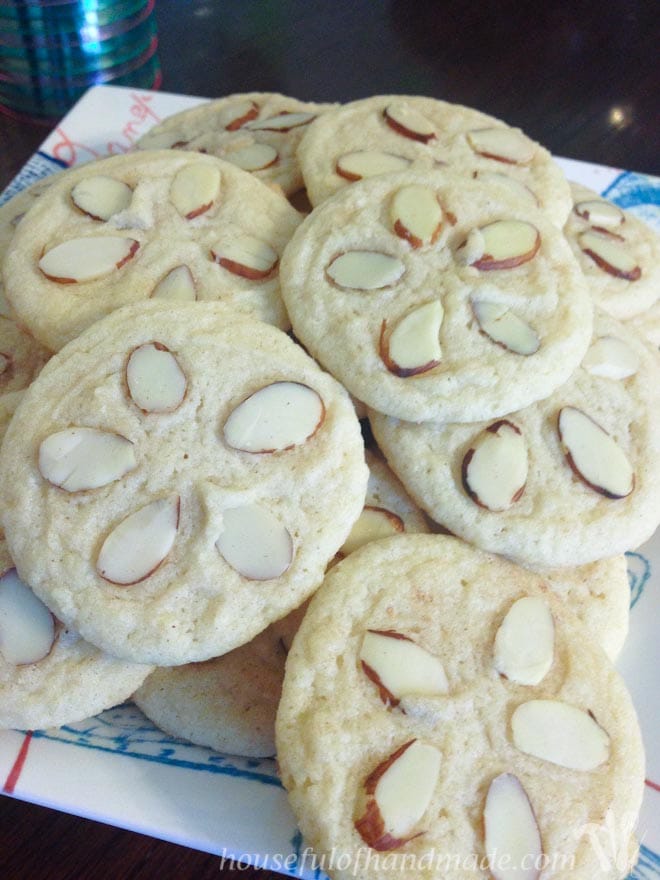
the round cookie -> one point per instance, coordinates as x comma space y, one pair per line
547, 486
257, 131
618, 253
483, 311
178, 478
66, 679
391, 132
246, 683
408, 728
178, 226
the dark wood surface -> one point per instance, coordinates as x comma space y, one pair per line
582, 78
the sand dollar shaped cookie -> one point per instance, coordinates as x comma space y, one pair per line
195, 469
246, 683
438, 703
388, 133
257, 131
168, 225
566, 481
434, 296
618, 253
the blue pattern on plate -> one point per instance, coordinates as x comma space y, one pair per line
125, 730
37, 167
639, 571
648, 866
639, 193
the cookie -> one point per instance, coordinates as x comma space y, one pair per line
393, 132
618, 253
443, 711
178, 478
165, 224
564, 482
246, 683
432, 296
257, 131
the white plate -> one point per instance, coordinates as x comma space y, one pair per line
119, 769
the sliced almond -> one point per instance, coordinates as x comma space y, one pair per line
6, 361
84, 259
503, 144
561, 734
164, 140
505, 328
598, 212
413, 346
612, 358
372, 524
194, 189
365, 270
409, 122
27, 628
369, 163
512, 837
399, 667
505, 244
255, 543
494, 469
516, 187
282, 122
416, 214
246, 256
610, 255
140, 543
397, 794
241, 113
177, 286
100, 196
78, 459
594, 455
155, 380
254, 157
277, 417
525, 642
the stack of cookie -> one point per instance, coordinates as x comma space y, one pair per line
181, 477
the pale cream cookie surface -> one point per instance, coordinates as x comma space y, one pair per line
567, 481
432, 296
392, 132
257, 131
618, 253
444, 714
177, 479
171, 225
229, 703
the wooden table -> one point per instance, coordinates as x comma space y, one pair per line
581, 78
